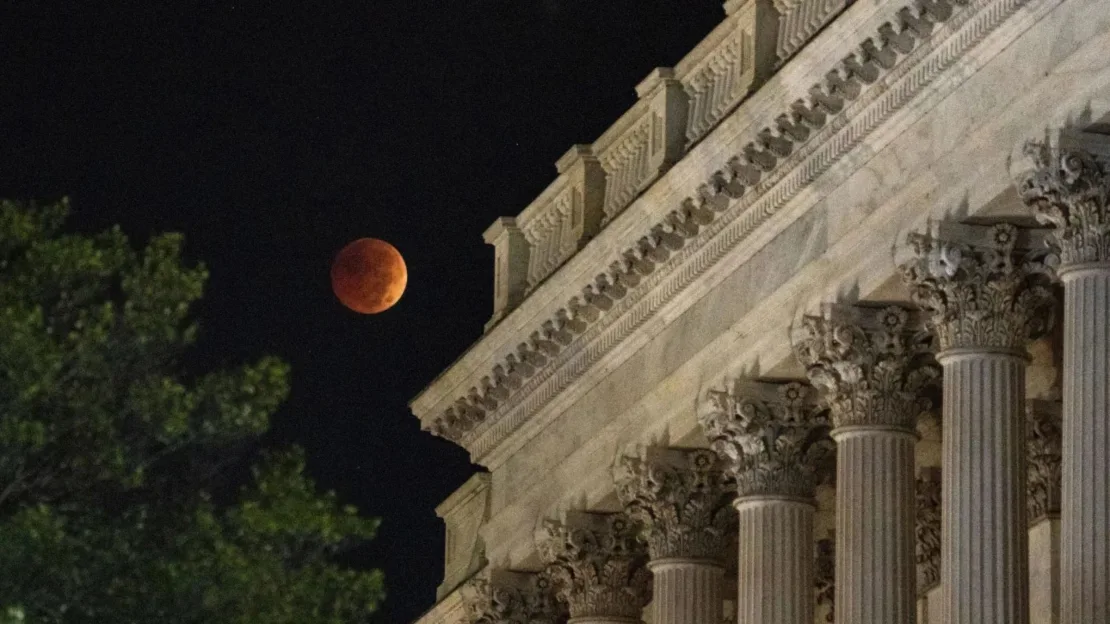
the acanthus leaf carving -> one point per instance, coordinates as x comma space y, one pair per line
981, 291
501, 597
824, 577
927, 529
596, 564
680, 499
1070, 189
870, 366
773, 438
1044, 450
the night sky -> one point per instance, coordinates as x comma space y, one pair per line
273, 133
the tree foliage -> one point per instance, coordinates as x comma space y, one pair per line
112, 456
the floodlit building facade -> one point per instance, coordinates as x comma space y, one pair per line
816, 331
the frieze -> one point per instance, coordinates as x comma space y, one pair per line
833, 108
680, 497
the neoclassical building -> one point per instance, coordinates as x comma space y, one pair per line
816, 331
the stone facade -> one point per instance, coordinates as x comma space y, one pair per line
844, 261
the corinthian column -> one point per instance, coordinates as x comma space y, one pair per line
773, 442
681, 499
985, 305
1070, 189
506, 597
597, 567
869, 367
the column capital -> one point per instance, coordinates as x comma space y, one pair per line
506, 597
927, 553
868, 364
1069, 188
680, 499
596, 564
772, 437
984, 290
1044, 445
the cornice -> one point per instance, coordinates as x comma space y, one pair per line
876, 79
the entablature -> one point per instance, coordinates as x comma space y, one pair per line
709, 203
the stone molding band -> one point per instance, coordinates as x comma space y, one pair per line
483, 413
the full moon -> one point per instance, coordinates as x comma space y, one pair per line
369, 275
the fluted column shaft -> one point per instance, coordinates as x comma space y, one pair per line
1085, 502
984, 549
875, 565
686, 591
775, 577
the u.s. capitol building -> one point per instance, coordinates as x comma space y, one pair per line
816, 331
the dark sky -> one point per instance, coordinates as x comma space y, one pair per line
272, 133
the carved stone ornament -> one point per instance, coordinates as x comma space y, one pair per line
1070, 189
597, 565
981, 293
681, 500
773, 438
928, 529
511, 598
869, 365
825, 577
1043, 445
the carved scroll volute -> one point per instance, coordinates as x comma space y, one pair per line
869, 365
597, 564
982, 288
508, 597
680, 498
772, 437
1069, 188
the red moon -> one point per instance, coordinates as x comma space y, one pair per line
369, 275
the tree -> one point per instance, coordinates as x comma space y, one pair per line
115, 460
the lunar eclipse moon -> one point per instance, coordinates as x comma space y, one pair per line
369, 275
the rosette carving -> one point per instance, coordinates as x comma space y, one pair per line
1070, 189
981, 292
680, 498
596, 564
928, 529
869, 365
504, 597
772, 437
1043, 446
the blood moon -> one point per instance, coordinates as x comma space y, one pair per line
369, 275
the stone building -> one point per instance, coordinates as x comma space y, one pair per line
816, 331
